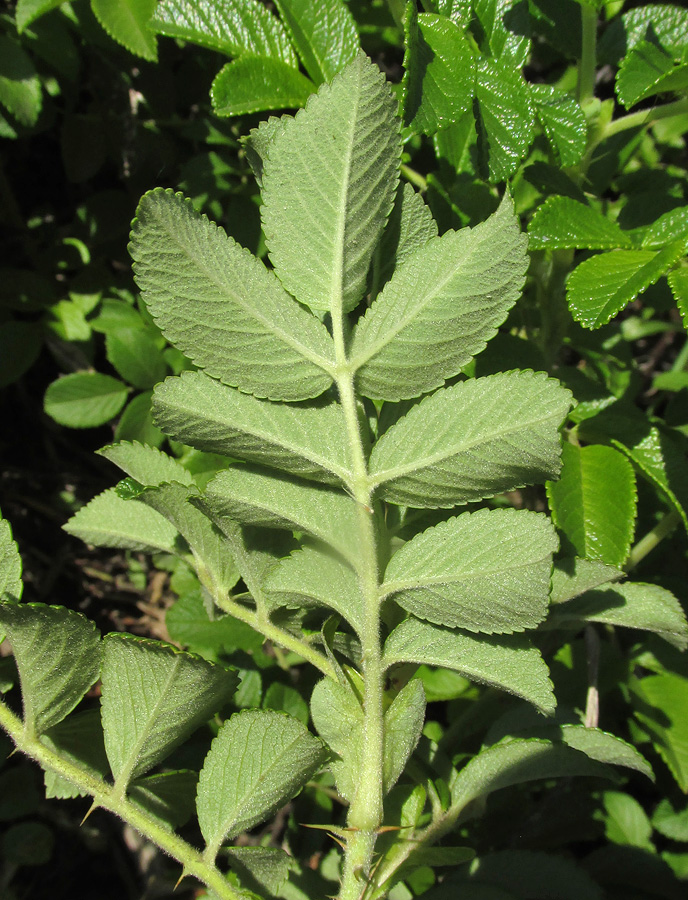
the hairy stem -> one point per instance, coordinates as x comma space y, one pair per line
106, 796
365, 812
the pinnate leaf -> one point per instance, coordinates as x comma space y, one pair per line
505, 117
440, 308
508, 663
629, 605
254, 83
562, 223
127, 22
600, 287
666, 23
328, 187
305, 440
505, 26
439, 81
85, 399
258, 761
233, 27
487, 571
57, 652
254, 498
222, 307
110, 521
563, 122
153, 697
473, 440
594, 502
660, 702
323, 32
338, 719
404, 719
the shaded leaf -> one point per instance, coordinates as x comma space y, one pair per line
258, 761
266, 868
85, 399
305, 440
563, 122
573, 576
27, 11
170, 797
505, 28
678, 282
510, 664
440, 308
253, 498
647, 70
136, 356
209, 295
233, 27
254, 83
600, 287
79, 739
487, 571
20, 86
153, 697
594, 502
188, 623
323, 32
473, 440
326, 201
11, 584
504, 117
57, 652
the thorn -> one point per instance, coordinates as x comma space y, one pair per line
94, 806
180, 879
14, 750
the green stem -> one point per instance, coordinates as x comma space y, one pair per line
648, 543
585, 88
397, 10
107, 797
366, 811
645, 117
414, 177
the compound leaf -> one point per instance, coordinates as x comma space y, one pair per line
221, 306
258, 761
254, 498
312, 576
647, 70
508, 42
329, 182
600, 287
439, 80
85, 399
507, 663
309, 441
153, 697
473, 440
323, 32
127, 22
254, 83
563, 122
338, 719
440, 308
57, 652
110, 521
562, 223
232, 27
594, 502
487, 571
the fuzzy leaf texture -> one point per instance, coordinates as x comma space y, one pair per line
487, 571
507, 663
473, 440
153, 697
258, 761
328, 187
57, 653
218, 304
440, 308
309, 441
